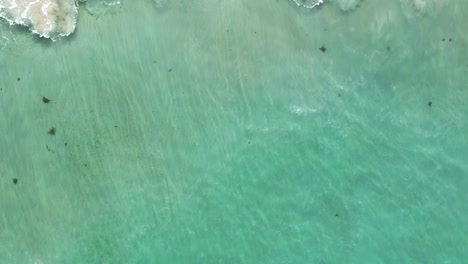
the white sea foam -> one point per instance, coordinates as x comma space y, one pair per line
344, 5
308, 3
49, 18
55, 18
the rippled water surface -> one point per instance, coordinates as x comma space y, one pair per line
237, 132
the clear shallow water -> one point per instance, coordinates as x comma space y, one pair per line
218, 132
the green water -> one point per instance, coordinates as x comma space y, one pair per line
218, 132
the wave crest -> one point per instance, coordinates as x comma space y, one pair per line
308, 3
47, 18
50, 18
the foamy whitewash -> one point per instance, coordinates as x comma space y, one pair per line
47, 18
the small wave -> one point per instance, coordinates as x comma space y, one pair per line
308, 3
345, 5
99, 7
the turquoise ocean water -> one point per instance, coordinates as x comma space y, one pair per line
214, 131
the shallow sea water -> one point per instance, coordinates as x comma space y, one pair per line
218, 132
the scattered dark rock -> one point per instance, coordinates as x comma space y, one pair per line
450, 39
389, 48
169, 70
66, 144
443, 39
337, 215
15, 180
45, 100
429, 103
323, 49
339, 94
19, 79
51, 131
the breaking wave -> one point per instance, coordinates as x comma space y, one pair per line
308, 3
57, 18
49, 18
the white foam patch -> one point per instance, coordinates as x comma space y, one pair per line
308, 3
47, 18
